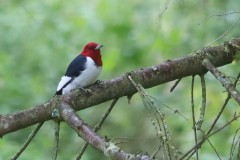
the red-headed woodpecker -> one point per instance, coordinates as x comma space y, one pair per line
83, 70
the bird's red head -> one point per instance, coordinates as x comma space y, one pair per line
92, 50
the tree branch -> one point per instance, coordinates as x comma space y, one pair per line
223, 79
121, 86
97, 127
108, 148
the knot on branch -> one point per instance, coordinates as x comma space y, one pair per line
232, 46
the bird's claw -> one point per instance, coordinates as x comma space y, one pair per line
98, 82
86, 91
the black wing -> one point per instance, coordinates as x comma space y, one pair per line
74, 69
76, 66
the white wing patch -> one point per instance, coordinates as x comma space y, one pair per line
64, 80
86, 78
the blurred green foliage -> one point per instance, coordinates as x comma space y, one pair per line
38, 39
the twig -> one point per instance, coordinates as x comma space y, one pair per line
166, 6
175, 84
190, 155
222, 78
173, 109
225, 33
235, 117
214, 149
223, 107
203, 107
98, 126
238, 154
193, 116
56, 135
155, 153
211, 146
220, 113
234, 144
118, 140
216, 15
216, 119
29, 139
166, 135
150, 105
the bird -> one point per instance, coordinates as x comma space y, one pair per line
83, 71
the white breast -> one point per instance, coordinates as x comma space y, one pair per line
86, 78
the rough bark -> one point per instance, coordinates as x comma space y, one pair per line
121, 86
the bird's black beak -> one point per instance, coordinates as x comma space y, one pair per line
99, 46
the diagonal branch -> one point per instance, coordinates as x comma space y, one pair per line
223, 79
121, 86
97, 127
215, 120
29, 139
235, 117
108, 148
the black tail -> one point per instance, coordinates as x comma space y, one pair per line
59, 92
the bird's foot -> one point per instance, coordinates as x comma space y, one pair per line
86, 91
98, 82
